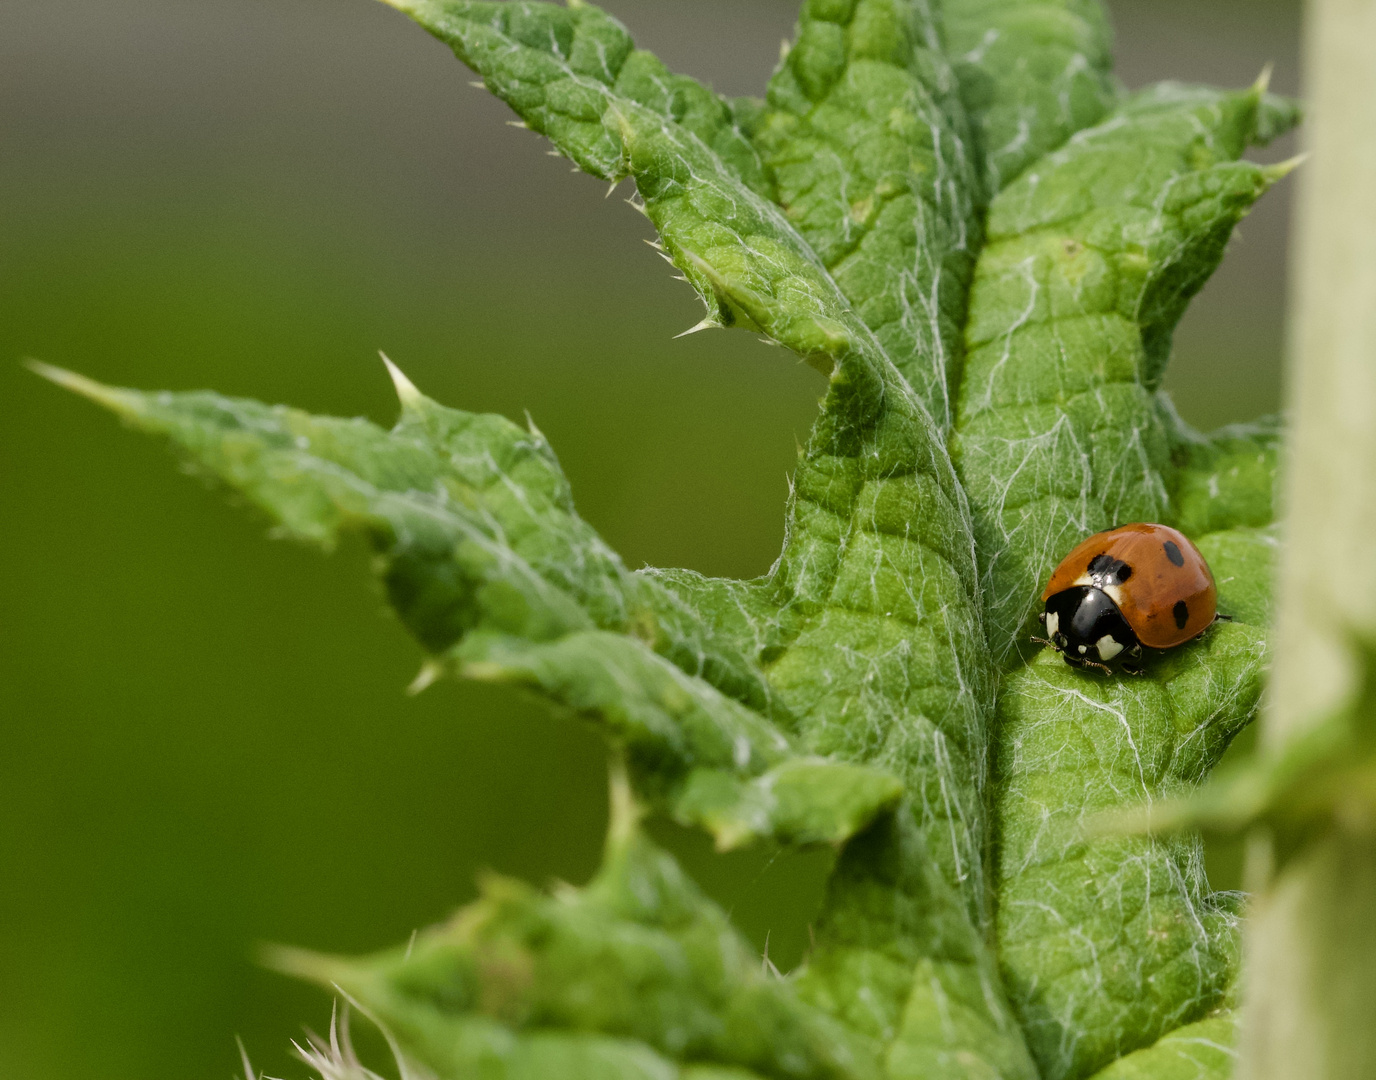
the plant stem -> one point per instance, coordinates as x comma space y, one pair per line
1311, 979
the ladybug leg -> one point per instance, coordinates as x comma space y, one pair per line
1218, 617
1081, 663
1132, 664
1042, 641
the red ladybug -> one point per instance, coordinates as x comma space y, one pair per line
1119, 590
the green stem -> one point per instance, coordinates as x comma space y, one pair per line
1311, 988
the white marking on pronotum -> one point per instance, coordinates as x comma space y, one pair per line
1053, 623
1108, 648
1112, 591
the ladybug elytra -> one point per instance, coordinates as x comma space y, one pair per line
1131, 587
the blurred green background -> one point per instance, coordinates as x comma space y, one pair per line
204, 743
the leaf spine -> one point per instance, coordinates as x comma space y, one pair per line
406, 390
429, 674
708, 322
249, 1074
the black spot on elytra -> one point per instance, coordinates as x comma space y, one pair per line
1180, 611
1109, 569
1173, 553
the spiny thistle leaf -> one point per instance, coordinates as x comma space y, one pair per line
1198, 1051
1223, 492
639, 970
986, 257
873, 164
1090, 260
877, 512
1032, 73
1091, 256
487, 563
562, 69
1107, 943
1226, 480
1325, 776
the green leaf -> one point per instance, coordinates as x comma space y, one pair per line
1091, 258
1200, 1051
898, 959
976, 424
1109, 942
1322, 777
871, 634
633, 976
489, 566
564, 71
1223, 492
869, 669
869, 150
736, 249
872, 640
1032, 73
1226, 480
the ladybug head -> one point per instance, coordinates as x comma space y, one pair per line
1085, 626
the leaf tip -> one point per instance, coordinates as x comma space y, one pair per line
244, 1062
624, 811
1282, 169
412, 9
708, 322
535, 432
123, 402
430, 672
1263, 82
731, 836
406, 7
303, 964
407, 393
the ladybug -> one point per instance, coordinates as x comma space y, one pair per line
1133, 586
